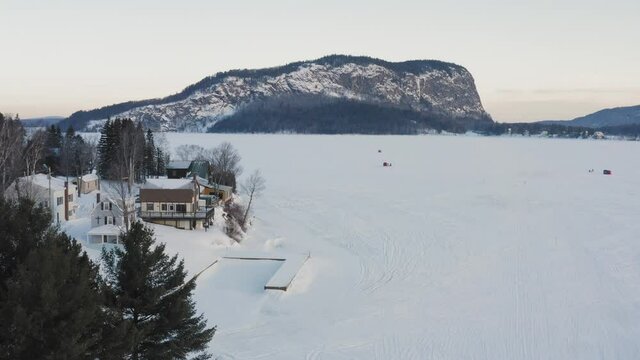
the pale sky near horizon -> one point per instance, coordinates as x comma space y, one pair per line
531, 60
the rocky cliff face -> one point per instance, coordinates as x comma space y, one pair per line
424, 88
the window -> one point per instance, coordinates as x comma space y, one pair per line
170, 207
110, 220
164, 207
70, 197
60, 200
181, 208
149, 206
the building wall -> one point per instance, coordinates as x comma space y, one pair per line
221, 194
89, 186
177, 173
58, 209
41, 196
104, 239
157, 207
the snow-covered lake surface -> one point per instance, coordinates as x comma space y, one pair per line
466, 248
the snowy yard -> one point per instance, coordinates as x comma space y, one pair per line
466, 248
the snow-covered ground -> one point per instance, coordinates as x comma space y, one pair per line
466, 248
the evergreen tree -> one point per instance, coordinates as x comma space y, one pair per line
105, 146
150, 162
147, 289
52, 308
160, 162
23, 227
50, 303
53, 145
54, 137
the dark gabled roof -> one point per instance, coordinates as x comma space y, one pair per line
178, 165
167, 195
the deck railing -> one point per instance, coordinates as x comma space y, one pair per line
198, 214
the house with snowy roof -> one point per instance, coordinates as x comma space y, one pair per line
186, 169
175, 202
222, 192
55, 194
109, 219
87, 183
178, 169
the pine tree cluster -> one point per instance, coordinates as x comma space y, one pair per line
68, 154
124, 143
54, 303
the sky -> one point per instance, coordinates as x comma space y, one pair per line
531, 60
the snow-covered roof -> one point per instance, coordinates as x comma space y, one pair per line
205, 182
109, 229
178, 165
42, 180
89, 177
168, 184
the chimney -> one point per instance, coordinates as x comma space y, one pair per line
97, 198
66, 200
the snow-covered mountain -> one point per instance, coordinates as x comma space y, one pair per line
422, 91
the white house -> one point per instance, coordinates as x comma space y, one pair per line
108, 219
53, 193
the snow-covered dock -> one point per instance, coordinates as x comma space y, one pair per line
283, 277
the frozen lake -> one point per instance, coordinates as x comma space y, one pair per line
466, 248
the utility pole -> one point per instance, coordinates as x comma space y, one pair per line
50, 195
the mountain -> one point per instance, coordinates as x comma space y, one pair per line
333, 94
629, 115
42, 121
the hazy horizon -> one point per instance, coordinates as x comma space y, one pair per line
531, 60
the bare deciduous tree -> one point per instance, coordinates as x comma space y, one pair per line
224, 160
253, 188
130, 151
34, 151
120, 189
189, 152
11, 140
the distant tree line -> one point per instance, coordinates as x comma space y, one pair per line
325, 115
56, 304
554, 129
23, 153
